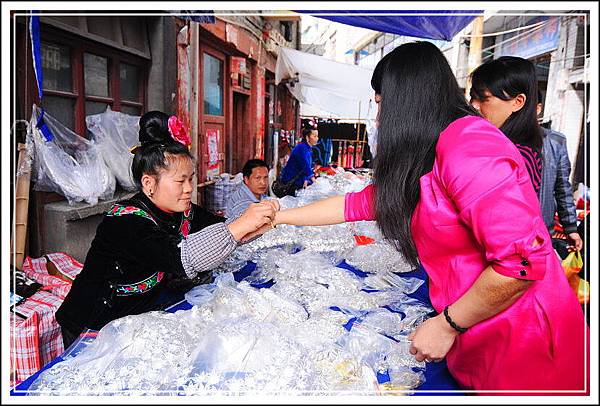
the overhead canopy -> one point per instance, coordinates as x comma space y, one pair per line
199, 16
326, 88
430, 24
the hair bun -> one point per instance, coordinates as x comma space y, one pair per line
309, 125
154, 128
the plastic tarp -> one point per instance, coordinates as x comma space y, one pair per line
115, 133
430, 24
69, 164
326, 88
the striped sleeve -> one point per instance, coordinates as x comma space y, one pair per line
533, 162
206, 249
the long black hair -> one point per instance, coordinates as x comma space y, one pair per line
419, 98
158, 148
506, 78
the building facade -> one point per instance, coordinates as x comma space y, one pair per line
218, 77
556, 42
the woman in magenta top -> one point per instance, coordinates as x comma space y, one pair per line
451, 191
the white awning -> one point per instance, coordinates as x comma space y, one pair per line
326, 88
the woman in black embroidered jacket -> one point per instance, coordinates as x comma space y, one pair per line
156, 235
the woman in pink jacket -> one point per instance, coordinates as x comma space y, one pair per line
452, 192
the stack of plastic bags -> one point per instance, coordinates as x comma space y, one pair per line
115, 134
84, 170
68, 164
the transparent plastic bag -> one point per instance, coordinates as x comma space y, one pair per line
367, 229
217, 194
377, 257
244, 355
135, 354
380, 353
69, 164
388, 280
115, 133
200, 295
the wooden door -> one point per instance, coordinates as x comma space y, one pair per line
214, 109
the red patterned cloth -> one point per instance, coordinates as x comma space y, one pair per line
24, 347
36, 270
66, 264
36, 337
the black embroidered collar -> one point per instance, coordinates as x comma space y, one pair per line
163, 218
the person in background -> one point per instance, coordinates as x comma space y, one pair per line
452, 192
504, 91
556, 193
299, 168
283, 153
153, 237
253, 189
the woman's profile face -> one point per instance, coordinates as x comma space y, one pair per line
313, 138
494, 109
173, 188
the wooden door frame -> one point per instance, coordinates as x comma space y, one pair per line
204, 119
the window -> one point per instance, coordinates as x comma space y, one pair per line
81, 79
213, 85
59, 100
95, 78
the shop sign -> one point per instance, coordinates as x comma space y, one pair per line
238, 65
538, 41
238, 71
212, 142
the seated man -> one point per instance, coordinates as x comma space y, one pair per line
252, 190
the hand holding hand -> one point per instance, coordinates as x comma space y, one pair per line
265, 228
254, 218
272, 202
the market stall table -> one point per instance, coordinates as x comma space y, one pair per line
438, 380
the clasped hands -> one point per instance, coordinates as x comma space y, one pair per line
256, 220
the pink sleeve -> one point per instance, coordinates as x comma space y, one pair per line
485, 178
360, 205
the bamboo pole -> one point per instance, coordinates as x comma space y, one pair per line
21, 208
474, 59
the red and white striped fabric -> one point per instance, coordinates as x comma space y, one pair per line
24, 347
36, 338
36, 270
66, 263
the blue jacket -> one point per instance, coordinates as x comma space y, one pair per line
556, 193
299, 166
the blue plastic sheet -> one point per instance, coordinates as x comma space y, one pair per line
429, 24
36, 56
